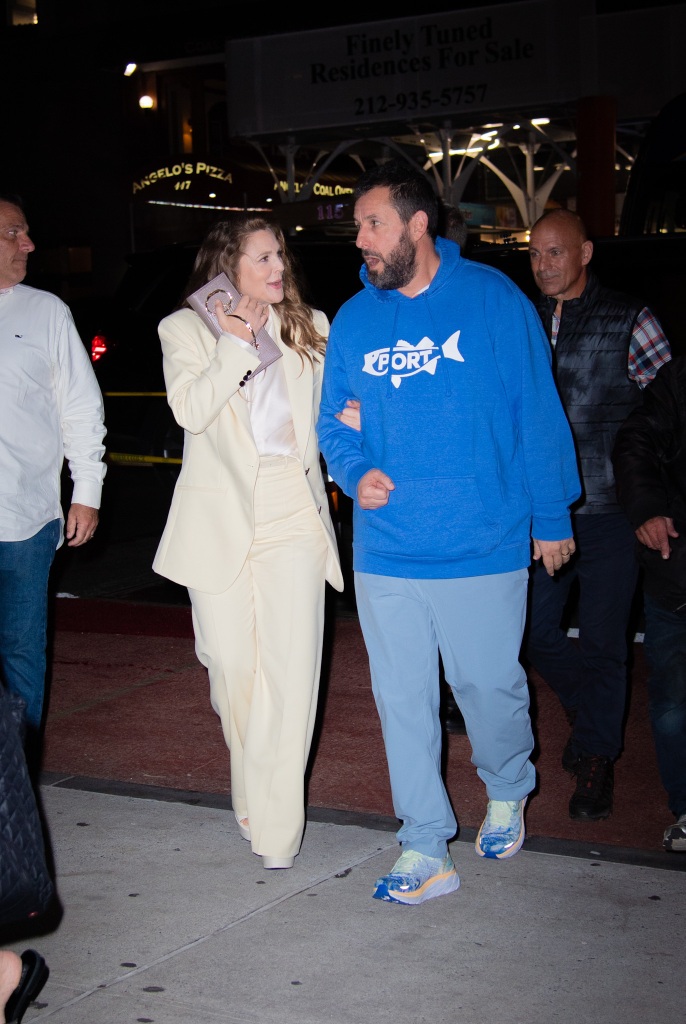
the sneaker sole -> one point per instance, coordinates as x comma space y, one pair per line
675, 845
437, 885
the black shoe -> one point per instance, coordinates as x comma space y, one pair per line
452, 716
34, 974
592, 799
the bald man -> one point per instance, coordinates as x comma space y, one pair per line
607, 348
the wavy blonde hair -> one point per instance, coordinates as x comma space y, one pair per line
221, 251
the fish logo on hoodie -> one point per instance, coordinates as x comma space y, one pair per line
405, 360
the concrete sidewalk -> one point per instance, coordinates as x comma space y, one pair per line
169, 918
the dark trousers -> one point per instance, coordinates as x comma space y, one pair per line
665, 649
589, 675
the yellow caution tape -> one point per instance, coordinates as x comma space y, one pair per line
141, 460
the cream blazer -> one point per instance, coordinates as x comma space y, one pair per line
210, 526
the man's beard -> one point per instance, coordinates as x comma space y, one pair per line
399, 266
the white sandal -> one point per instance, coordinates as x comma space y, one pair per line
243, 826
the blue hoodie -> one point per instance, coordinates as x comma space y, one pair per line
459, 408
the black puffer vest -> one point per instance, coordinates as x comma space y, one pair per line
590, 362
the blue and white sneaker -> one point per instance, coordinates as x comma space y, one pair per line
416, 878
502, 832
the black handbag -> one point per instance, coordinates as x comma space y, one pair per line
26, 888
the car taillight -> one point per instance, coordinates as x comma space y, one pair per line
98, 347
332, 491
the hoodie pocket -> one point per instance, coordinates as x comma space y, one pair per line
434, 518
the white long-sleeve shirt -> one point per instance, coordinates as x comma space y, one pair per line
51, 409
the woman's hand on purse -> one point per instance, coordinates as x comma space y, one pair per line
248, 317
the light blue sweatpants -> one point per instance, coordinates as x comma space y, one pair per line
477, 624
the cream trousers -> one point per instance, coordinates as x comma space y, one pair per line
261, 642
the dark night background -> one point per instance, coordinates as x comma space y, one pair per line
74, 135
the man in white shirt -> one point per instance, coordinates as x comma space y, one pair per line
51, 409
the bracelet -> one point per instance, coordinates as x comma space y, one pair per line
254, 339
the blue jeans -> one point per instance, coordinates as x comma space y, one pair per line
24, 572
589, 676
665, 649
477, 624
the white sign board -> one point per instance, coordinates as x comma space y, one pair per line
428, 67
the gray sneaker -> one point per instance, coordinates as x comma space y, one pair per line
415, 878
675, 836
502, 831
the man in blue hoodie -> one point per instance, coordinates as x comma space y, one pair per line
464, 454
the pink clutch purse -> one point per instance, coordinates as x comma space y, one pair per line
203, 301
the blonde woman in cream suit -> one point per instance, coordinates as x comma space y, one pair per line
249, 531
